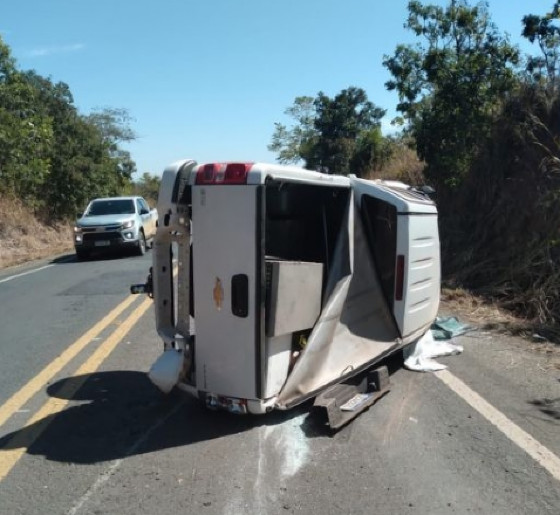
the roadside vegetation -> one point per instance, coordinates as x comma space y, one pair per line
53, 160
480, 122
23, 237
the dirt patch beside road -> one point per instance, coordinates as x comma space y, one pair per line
488, 316
23, 238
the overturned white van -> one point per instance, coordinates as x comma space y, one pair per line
274, 284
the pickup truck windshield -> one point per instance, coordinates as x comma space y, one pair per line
111, 207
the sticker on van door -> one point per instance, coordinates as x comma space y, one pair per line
218, 293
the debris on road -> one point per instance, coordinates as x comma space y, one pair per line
435, 344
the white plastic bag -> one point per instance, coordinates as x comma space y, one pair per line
419, 356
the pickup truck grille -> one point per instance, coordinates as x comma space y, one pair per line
102, 236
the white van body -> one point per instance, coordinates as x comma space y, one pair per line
287, 281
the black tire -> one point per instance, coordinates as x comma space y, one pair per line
141, 244
82, 255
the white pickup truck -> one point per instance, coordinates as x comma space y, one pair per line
115, 223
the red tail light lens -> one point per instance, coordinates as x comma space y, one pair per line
222, 173
399, 278
236, 173
207, 174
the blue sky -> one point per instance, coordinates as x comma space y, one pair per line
208, 79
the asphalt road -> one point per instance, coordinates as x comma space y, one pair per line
82, 430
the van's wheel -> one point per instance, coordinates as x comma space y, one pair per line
142, 244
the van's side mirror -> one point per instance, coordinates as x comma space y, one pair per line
79, 215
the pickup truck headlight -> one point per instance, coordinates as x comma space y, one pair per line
77, 229
128, 224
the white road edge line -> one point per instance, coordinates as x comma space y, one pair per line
24, 273
15, 276
542, 455
105, 476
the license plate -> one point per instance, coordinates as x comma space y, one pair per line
102, 243
355, 402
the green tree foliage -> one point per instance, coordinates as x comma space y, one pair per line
52, 157
490, 135
25, 134
450, 85
148, 187
503, 237
113, 126
371, 151
336, 135
545, 31
291, 144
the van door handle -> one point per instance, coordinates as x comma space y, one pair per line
240, 295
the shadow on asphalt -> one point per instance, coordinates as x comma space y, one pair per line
67, 259
549, 407
122, 415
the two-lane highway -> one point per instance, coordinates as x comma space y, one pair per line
82, 430
44, 309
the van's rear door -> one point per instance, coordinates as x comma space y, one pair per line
227, 268
402, 231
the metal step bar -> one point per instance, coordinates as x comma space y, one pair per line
343, 402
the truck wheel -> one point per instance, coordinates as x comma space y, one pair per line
142, 244
82, 255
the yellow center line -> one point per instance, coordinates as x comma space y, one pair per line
18, 399
23, 439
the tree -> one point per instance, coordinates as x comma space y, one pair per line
291, 144
546, 33
148, 187
7, 62
114, 127
371, 152
451, 86
340, 122
52, 157
334, 135
25, 134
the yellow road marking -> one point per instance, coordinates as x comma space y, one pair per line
18, 399
524, 440
19, 444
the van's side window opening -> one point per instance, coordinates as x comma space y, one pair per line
303, 221
380, 220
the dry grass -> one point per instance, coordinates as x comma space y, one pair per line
482, 312
403, 165
487, 315
23, 238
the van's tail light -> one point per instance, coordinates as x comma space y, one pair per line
399, 278
223, 173
208, 174
236, 173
